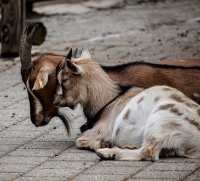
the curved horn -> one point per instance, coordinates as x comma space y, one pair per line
34, 33
77, 53
68, 55
25, 48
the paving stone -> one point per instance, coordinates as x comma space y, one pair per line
9, 141
19, 134
59, 168
14, 168
7, 64
26, 126
57, 134
123, 163
149, 179
2, 153
76, 165
14, 115
176, 175
99, 177
24, 160
11, 77
7, 148
53, 172
178, 160
62, 137
173, 167
73, 149
8, 176
83, 156
34, 152
12, 95
39, 178
112, 170
194, 176
48, 145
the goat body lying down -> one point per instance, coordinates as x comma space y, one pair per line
137, 124
40, 77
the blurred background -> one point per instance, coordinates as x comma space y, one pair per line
115, 31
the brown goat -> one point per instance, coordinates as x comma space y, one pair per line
40, 75
41, 71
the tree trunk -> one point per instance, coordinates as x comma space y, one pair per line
13, 18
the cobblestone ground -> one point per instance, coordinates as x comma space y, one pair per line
142, 32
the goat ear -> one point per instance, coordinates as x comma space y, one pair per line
75, 69
41, 80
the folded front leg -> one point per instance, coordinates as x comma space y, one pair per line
85, 142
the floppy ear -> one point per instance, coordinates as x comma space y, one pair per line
41, 80
75, 69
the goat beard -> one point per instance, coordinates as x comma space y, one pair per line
65, 119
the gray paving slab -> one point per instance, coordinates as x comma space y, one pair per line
159, 175
30, 160
39, 178
10, 78
99, 177
8, 176
194, 176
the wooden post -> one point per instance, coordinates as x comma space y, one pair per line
13, 18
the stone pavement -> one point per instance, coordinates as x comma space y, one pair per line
137, 31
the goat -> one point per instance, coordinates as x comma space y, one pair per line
37, 73
40, 75
147, 121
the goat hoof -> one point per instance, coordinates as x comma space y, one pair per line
105, 154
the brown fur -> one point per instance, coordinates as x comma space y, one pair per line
127, 114
45, 95
191, 105
172, 125
175, 73
193, 122
177, 98
166, 106
140, 75
179, 73
198, 112
93, 86
176, 111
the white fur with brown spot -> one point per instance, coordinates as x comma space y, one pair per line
150, 125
